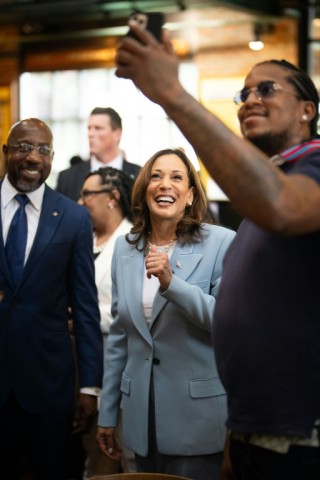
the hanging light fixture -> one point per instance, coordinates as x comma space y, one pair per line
256, 43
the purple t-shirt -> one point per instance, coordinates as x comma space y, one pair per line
266, 329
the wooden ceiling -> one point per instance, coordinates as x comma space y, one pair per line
36, 21
34, 16
96, 10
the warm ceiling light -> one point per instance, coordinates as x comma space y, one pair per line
256, 43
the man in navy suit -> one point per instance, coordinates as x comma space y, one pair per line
37, 368
104, 134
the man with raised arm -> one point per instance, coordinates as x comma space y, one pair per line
266, 328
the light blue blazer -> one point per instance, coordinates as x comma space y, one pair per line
190, 402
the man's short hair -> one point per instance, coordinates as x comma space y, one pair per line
115, 118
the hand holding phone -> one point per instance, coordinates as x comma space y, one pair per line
153, 22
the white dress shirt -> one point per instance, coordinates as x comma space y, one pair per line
117, 162
9, 205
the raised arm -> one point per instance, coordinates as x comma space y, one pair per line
287, 204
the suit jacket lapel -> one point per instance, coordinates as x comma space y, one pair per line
183, 262
133, 284
51, 215
3, 261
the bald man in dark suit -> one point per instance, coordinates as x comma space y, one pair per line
56, 271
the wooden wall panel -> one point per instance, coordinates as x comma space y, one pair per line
5, 120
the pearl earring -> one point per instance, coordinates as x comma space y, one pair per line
304, 118
189, 204
110, 206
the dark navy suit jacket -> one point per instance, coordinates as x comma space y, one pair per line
36, 357
70, 181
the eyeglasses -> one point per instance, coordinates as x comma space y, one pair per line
23, 147
86, 193
263, 91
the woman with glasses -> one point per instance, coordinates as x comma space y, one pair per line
159, 364
106, 193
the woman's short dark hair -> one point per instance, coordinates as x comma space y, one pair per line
117, 180
189, 228
303, 85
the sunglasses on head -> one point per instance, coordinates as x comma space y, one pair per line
263, 91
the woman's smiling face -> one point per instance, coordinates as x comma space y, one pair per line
169, 191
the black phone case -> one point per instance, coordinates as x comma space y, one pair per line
155, 22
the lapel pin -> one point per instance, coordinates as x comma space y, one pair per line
178, 264
55, 213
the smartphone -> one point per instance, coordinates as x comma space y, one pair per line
152, 21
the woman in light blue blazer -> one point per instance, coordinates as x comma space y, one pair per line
159, 364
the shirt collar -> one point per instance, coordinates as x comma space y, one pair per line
293, 154
117, 162
8, 192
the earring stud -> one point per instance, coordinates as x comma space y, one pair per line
304, 118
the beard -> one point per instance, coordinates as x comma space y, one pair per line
270, 143
26, 187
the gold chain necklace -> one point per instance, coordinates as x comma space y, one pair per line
161, 248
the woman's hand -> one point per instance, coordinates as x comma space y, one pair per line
107, 443
158, 265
